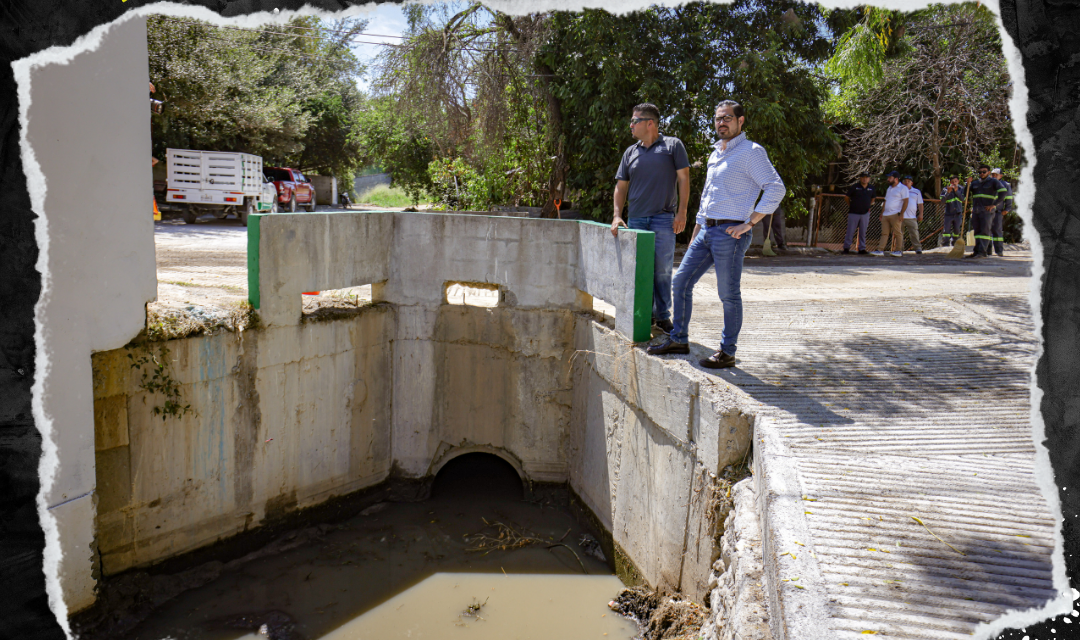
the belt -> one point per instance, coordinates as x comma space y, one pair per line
716, 223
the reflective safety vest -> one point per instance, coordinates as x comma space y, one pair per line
954, 201
986, 192
1006, 200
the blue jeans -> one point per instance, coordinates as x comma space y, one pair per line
660, 224
711, 248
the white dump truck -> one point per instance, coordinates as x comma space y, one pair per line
218, 182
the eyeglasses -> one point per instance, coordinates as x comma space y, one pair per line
634, 121
982, 171
726, 118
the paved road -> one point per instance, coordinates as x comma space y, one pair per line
898, 389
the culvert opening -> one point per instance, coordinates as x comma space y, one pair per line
478, 475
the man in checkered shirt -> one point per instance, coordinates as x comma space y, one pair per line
739, 170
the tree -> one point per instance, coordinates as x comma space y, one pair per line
464, 82
685, 60
388, 140
941, 102
284, 92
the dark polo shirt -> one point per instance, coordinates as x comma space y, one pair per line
651, 173
861, 198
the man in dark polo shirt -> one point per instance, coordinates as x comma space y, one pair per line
860, 196
649, 172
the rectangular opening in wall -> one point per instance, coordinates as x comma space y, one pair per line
317, 303
603, 308
472, 294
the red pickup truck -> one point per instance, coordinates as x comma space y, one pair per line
292, 188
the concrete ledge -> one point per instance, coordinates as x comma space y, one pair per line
797, 608
636, 463
738, 603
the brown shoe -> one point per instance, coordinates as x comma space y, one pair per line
668, 346
718, 360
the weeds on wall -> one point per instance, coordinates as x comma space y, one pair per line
152, 359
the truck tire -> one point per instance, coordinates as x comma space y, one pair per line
190, 214
311, 204
292, 203
273, 206
249, 208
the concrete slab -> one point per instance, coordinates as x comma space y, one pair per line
889, 393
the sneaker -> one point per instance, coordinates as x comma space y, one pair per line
897, 254
978, 255
863, 252
1001, 255
877, 253
668, 346
664, 325
918, 252
846, 251
718, 360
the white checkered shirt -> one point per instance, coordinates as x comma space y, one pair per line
736, 176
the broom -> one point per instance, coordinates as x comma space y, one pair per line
766, 247
958, 248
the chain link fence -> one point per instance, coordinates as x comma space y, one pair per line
832, 214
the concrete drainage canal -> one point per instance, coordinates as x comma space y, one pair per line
413, 465
480, 558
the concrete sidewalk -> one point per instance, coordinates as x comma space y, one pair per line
894, 464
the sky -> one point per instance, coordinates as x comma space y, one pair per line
386, 19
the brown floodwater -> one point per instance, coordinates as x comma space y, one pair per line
412, 570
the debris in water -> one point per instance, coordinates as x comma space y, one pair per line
375, 508
591, 546
660, 617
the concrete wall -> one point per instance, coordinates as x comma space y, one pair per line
365, 183
87, 117
648, 438
282, 418
326, 189
298, 411
536, 264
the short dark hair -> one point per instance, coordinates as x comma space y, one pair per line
648, 110
736, 108
984, 166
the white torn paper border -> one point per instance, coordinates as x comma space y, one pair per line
44, 328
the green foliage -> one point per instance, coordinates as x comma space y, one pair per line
284, 92
157, 378
384, 196
935, 103
455, 184
389, 138
464, 101
685, 60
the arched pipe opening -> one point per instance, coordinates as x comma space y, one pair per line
478, 472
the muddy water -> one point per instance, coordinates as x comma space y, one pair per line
485, 606
408, 570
